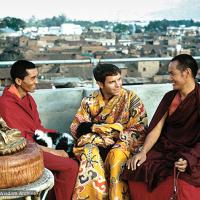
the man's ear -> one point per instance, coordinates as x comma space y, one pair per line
18, 81
189, 71
100, 84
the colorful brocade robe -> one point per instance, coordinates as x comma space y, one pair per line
119, 123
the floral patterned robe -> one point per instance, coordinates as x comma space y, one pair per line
118, 125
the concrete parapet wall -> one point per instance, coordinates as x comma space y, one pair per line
151, 95
57, 107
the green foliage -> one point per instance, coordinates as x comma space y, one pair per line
103, 24
12, 22
121, 28
162, 25
54, 21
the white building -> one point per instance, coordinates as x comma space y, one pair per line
28, 30
182, 30
54, 30
43, 30
97, 29
71, 29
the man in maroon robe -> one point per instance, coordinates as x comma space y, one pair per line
172, 145
19, 110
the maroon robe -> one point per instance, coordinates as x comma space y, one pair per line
23, 115
180, 138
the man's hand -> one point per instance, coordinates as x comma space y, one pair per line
181, 164
136, 160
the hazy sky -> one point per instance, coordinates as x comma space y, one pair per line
102, 9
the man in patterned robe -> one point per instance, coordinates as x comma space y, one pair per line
109, 126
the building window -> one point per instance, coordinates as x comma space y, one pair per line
144, 69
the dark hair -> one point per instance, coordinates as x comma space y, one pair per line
186, 61
18, 69
102, 70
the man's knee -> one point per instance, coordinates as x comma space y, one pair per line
118, 154
70, 171
115, 161
73, 165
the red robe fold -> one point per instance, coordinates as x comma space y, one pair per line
22, 114
180, 138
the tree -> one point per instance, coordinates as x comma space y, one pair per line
102, 24
120, 28
162, 25
12, 22
54, 21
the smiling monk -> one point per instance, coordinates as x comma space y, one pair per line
170, 155
19, 110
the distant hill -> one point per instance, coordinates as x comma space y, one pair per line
180, 9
